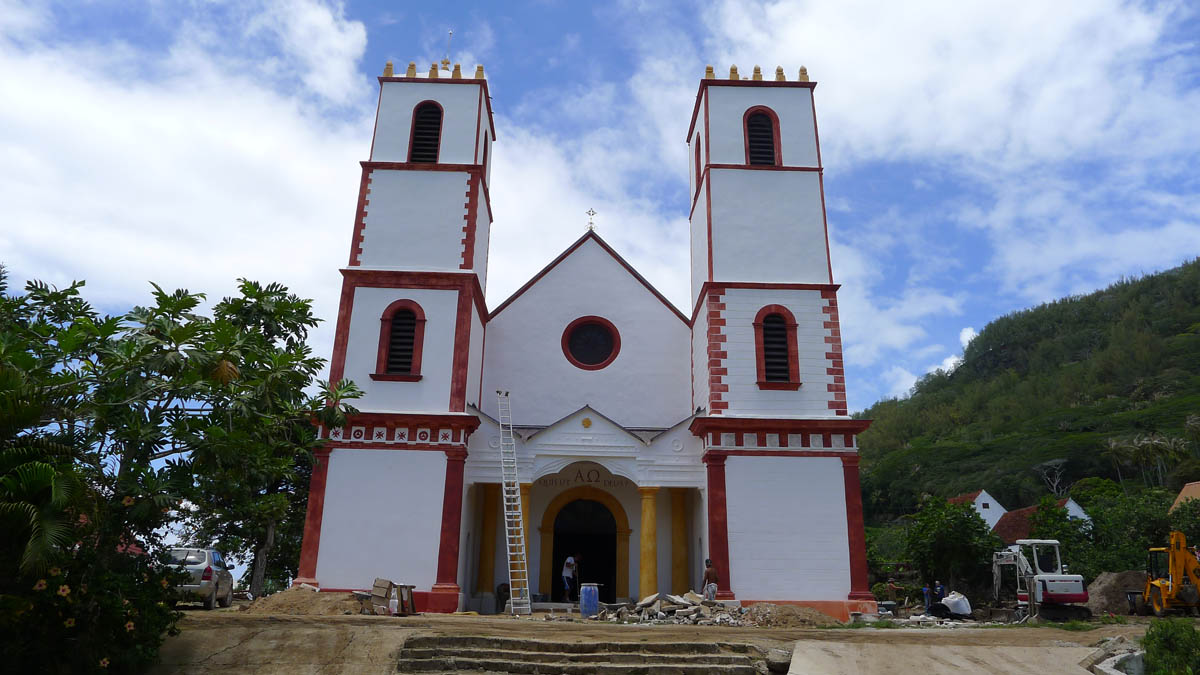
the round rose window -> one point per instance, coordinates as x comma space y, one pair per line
591, 342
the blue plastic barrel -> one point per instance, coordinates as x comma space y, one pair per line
589, 600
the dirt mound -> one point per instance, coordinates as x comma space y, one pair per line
303, 602
786, 616
1106, 595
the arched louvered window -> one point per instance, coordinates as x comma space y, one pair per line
426, 133
775, 349
762, 137
775, 344
401, 338
401, 342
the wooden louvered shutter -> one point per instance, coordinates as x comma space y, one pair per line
427, 132
401, 342
775, 348
760, 136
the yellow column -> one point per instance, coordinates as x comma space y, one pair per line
525, 488
649, 553
487, 539
679, 541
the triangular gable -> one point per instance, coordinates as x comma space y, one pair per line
590, 234
591, 413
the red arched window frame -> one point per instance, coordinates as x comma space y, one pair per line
774, 132
793, 382
385, 339
699, 168
413, 128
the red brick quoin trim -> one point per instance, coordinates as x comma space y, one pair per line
718, 525
837, 389
717, 352
760, 360
444, 594
311, 543
385, 339
608, 325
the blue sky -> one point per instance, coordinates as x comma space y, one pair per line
980, 157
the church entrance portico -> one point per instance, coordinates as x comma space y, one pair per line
588, 521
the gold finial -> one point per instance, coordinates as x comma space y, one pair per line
779, 77
445, 64
433, 71
457, 74
757, 73
479, 72
387, 70
733, 72
412, 69
709, 74
803, 74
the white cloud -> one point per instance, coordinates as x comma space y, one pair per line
898, 382
191, 177
966, 335
319, 39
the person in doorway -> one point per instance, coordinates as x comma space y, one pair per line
568, 576
709, 584
939, 591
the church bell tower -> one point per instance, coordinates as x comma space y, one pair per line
410, 335
768, 375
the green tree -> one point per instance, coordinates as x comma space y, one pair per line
1050, 521
108, 423
951, 542
252, 452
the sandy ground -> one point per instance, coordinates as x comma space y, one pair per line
229, 641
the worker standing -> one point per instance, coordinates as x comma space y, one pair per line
709, 584
928, 597
939, 591
568, 577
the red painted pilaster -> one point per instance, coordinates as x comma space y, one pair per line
718, 526
311, 544
859, 588
444, 596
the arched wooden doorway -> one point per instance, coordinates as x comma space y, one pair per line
549, 573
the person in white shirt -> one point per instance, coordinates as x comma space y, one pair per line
568, 576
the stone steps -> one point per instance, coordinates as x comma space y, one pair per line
536, 657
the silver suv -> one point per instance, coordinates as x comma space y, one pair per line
211, 581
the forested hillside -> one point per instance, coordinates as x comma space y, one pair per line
1097, 385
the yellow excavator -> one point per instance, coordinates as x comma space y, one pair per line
1174, 577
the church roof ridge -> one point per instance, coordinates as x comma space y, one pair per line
590, 234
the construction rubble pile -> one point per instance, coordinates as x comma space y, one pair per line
691, 609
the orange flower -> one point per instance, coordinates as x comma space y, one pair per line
104, 662
40, 585
127, 501
164, 583
64, 590
69, 623
128, 626
54, 571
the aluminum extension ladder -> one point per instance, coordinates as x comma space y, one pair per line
514, 524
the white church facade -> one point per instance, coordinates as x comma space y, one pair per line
648, 438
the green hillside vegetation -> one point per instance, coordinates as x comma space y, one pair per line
1106, 385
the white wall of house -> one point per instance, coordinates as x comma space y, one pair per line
793, 545
432, 392
369, 528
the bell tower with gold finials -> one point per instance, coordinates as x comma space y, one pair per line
767, 348
410, 330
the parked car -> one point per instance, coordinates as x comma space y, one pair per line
210, 581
